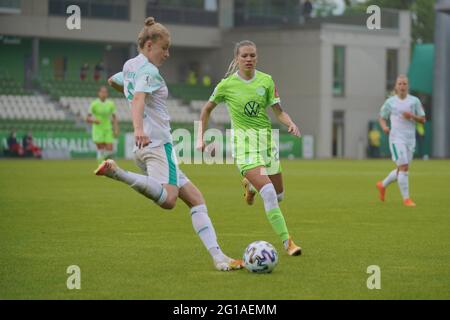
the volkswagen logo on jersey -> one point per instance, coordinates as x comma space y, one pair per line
251, 109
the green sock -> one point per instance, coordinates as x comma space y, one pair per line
276, 219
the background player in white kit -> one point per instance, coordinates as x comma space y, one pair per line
163, 181
403, 110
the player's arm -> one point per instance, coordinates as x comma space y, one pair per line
115, 82
137, 114
417, 114
383, 124
285, 119
115, 124
90, 119
385, 113
204, 119
413, 117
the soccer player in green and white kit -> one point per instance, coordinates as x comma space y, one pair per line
248, 92
162, 181
101, 112
403, 110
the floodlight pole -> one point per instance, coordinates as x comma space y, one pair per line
441, 92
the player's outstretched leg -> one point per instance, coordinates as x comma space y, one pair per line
249, 191
145, 185
203, 226
382, 185
205, 230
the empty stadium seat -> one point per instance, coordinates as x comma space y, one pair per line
79, 106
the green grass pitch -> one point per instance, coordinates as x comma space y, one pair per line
54, 214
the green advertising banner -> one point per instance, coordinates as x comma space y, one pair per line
65, 144
290, 146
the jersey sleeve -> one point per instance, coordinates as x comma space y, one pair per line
118, 78
148, 80
386, 110
273, 96
218, 95
418, 108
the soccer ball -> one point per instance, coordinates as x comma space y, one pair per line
260, 257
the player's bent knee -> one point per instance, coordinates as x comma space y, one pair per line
169, 204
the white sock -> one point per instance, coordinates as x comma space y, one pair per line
145, 185
391, 177
127, 176
403, 184
269, 196
203, 227
100, 154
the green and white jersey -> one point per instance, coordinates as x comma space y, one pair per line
139, 75
402, 129
247, 101
102, 111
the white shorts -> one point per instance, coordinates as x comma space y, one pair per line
401, 153
161, 164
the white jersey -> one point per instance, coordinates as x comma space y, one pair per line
139, 75
402, 129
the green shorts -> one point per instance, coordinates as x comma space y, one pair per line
102, 135
269, 160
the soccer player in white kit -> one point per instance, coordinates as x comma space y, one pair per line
403, 110
163, 182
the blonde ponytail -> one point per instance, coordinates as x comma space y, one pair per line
232, 68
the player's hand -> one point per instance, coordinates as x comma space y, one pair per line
408, 115
116, 133
386, 130
293, 129
97, 121
141, 139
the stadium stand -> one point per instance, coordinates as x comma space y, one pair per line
187, 92
33, 112
29, 108
9, 85
73, 88
79, 106
219, 116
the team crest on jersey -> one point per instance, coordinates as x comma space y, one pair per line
261, 91
251, 108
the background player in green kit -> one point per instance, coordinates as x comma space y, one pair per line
101, 112
247, 93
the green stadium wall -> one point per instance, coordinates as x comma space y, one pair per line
14, 52
13, 55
